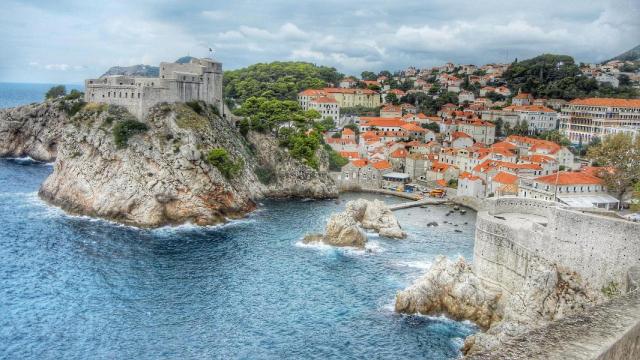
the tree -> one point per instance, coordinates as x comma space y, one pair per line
219, 158
555, 136
56, 92
368, 75
392, 98
620, 155
432, 126
499, 123
624, 80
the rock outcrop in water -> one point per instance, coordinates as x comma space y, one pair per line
451, 288
161, 175
32, 130
345, 228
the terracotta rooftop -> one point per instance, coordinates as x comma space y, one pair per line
607, 102
570, 178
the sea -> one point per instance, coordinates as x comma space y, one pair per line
74, 287
16, 94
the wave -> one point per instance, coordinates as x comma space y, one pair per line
415, 264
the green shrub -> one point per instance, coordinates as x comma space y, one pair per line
336, 161
611, 290
266, 175
73, 95
56, 92
125, 129
195, 106
73, 108
219, 158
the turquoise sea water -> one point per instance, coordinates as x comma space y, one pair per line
77, 288
15, 94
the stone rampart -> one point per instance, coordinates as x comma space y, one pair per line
515, 235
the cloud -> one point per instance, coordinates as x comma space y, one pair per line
83, 38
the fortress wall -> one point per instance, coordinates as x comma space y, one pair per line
601, 249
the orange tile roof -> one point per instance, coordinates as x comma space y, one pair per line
382, 122
359, 163
459, 134
325, 99
391, 108
529, 108
340, 141
381, 165
538, 158
413, 127
347, 131
399, 154
522, 96
505, 178
349, 91
350, 154
467, 175
503, 145
569, 178
441, 182
312, 92
606, 102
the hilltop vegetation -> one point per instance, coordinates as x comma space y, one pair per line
631, 55
276, 80
558, 76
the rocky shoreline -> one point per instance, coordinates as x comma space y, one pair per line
451, 288
161, 175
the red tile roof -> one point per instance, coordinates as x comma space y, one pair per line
505, 178
381, 165
570, 178
606, 102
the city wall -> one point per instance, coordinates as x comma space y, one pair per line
507, 248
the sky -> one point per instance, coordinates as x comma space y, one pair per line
66, 41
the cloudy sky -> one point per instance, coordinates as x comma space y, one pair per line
69, 40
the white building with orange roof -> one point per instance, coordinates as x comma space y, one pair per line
575, 189
484, 91
467, 96
582, 120
502, 90
538, 118
327, 107
470, 185
348, 82
391, 111
481, 131
380, 123
442, 171
345, 97
522, 99
459, 139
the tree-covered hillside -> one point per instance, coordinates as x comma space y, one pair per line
558, 76
276, 80
631, 55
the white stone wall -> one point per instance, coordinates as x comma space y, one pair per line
600, 248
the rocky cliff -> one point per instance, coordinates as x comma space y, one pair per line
157, 172
32, 130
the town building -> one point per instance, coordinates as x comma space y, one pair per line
344, 97
198, 80
538, 118
575, 189
391, 111
582, 120
327, 107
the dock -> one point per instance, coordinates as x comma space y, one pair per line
421, 202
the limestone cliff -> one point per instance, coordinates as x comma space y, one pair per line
549, 293
156, 173
32, 130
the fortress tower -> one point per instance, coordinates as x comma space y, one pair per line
201, 79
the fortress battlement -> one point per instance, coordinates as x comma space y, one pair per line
201, 79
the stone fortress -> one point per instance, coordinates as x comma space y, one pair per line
201, 79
